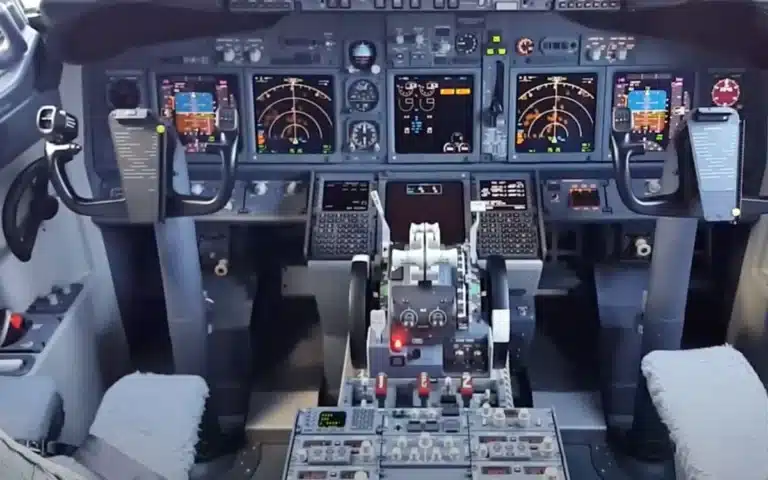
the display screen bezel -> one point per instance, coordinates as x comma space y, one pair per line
338, 105
594, 115
236, 90
526, 206
394, 157
320, 118
323, 193
600, 151
688, 74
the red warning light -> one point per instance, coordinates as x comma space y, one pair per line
397, 344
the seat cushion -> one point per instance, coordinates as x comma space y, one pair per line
30, 408
716, 410
154, 419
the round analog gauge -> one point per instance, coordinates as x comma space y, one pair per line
524, 47
465, 43
123, 93
362, 55
363, 135
362, 96
726, 92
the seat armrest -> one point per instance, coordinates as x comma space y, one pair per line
30, 408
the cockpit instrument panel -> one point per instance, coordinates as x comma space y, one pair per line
431, 202
657, 102
190, 103
433, 114
556, 113
294, 114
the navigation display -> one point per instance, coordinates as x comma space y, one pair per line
190, 103
556, 113
294, 114
504, 194
658, 101
416, 202
434, 114
345, 196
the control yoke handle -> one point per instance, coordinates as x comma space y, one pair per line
59, 129
623, 149
145, 148
228, 128
695, 193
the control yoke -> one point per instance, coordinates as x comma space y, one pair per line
705, 158
145, 148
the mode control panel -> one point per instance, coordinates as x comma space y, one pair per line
509, 223
343, 223
363, 443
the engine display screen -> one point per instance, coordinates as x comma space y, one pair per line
189, 102
415, 202
504, 194
657, 101
345, 196
294, 114
556, 113
332, 419
434, 114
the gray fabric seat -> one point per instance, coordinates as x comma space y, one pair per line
148, 420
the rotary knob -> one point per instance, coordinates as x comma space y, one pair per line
260, 188
228, 55
437, 318
254, 55
523, 418
409, 317
595, 54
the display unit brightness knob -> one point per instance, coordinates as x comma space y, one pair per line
254, 55
228, 55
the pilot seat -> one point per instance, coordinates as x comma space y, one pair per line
146, 427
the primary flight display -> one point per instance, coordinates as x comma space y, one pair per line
658, 101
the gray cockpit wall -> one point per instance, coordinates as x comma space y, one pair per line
77, 337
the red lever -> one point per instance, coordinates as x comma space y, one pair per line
466, 389
380, 389
423, 385
16, 320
